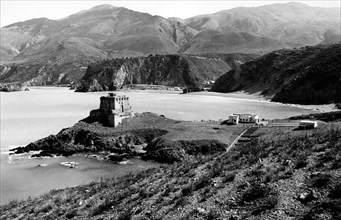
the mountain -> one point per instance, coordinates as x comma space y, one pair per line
46, 52
308, 75
169, 70
43, 48
104, 27
292, 23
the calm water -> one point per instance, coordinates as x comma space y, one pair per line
28, 116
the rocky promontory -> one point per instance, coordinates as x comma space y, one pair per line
307, 75
160, 139
12, 87
169, 70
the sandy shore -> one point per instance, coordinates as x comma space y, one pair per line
258, 97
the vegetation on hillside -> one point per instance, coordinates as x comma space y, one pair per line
308, 75
326, 117
295, 175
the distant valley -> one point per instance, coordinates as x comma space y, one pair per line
52, 52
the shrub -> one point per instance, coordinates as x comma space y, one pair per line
228, 177
320, 180
71, 214
182, 201
105, 206
301, 161
212, 214
45, 208
216, 169
253, 192
335, 192
126, 215
201, 182
167, 191
267, 203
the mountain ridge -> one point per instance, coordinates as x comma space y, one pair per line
105, 32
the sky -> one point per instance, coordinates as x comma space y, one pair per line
14, 11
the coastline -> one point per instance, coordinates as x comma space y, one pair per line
238, 95
174, 96
242, 95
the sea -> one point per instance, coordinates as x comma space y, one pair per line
42, 111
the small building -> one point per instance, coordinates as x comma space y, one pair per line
113, 109
234, 119
306, 124
243, 118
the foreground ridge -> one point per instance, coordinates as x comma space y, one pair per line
281, 174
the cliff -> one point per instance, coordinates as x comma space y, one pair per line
308, 75
170, 70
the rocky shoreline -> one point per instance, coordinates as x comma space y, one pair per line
12, 87
143, 136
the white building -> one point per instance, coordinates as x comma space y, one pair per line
234, 119
306, 124
243, 118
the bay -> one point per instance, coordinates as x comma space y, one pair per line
29, 116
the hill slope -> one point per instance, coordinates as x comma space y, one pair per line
309, 75
211, 41
282, 174
292, 23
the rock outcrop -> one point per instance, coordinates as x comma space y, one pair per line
148, 135
308, 75
169, 151
85, 138
11, 87
170, 70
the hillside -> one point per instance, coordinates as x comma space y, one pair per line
42, 51
211, 41
308, 75
292, 23
282, 174
170, 70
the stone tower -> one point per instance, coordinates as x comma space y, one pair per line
113, 109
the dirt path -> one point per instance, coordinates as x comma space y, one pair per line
237, 138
